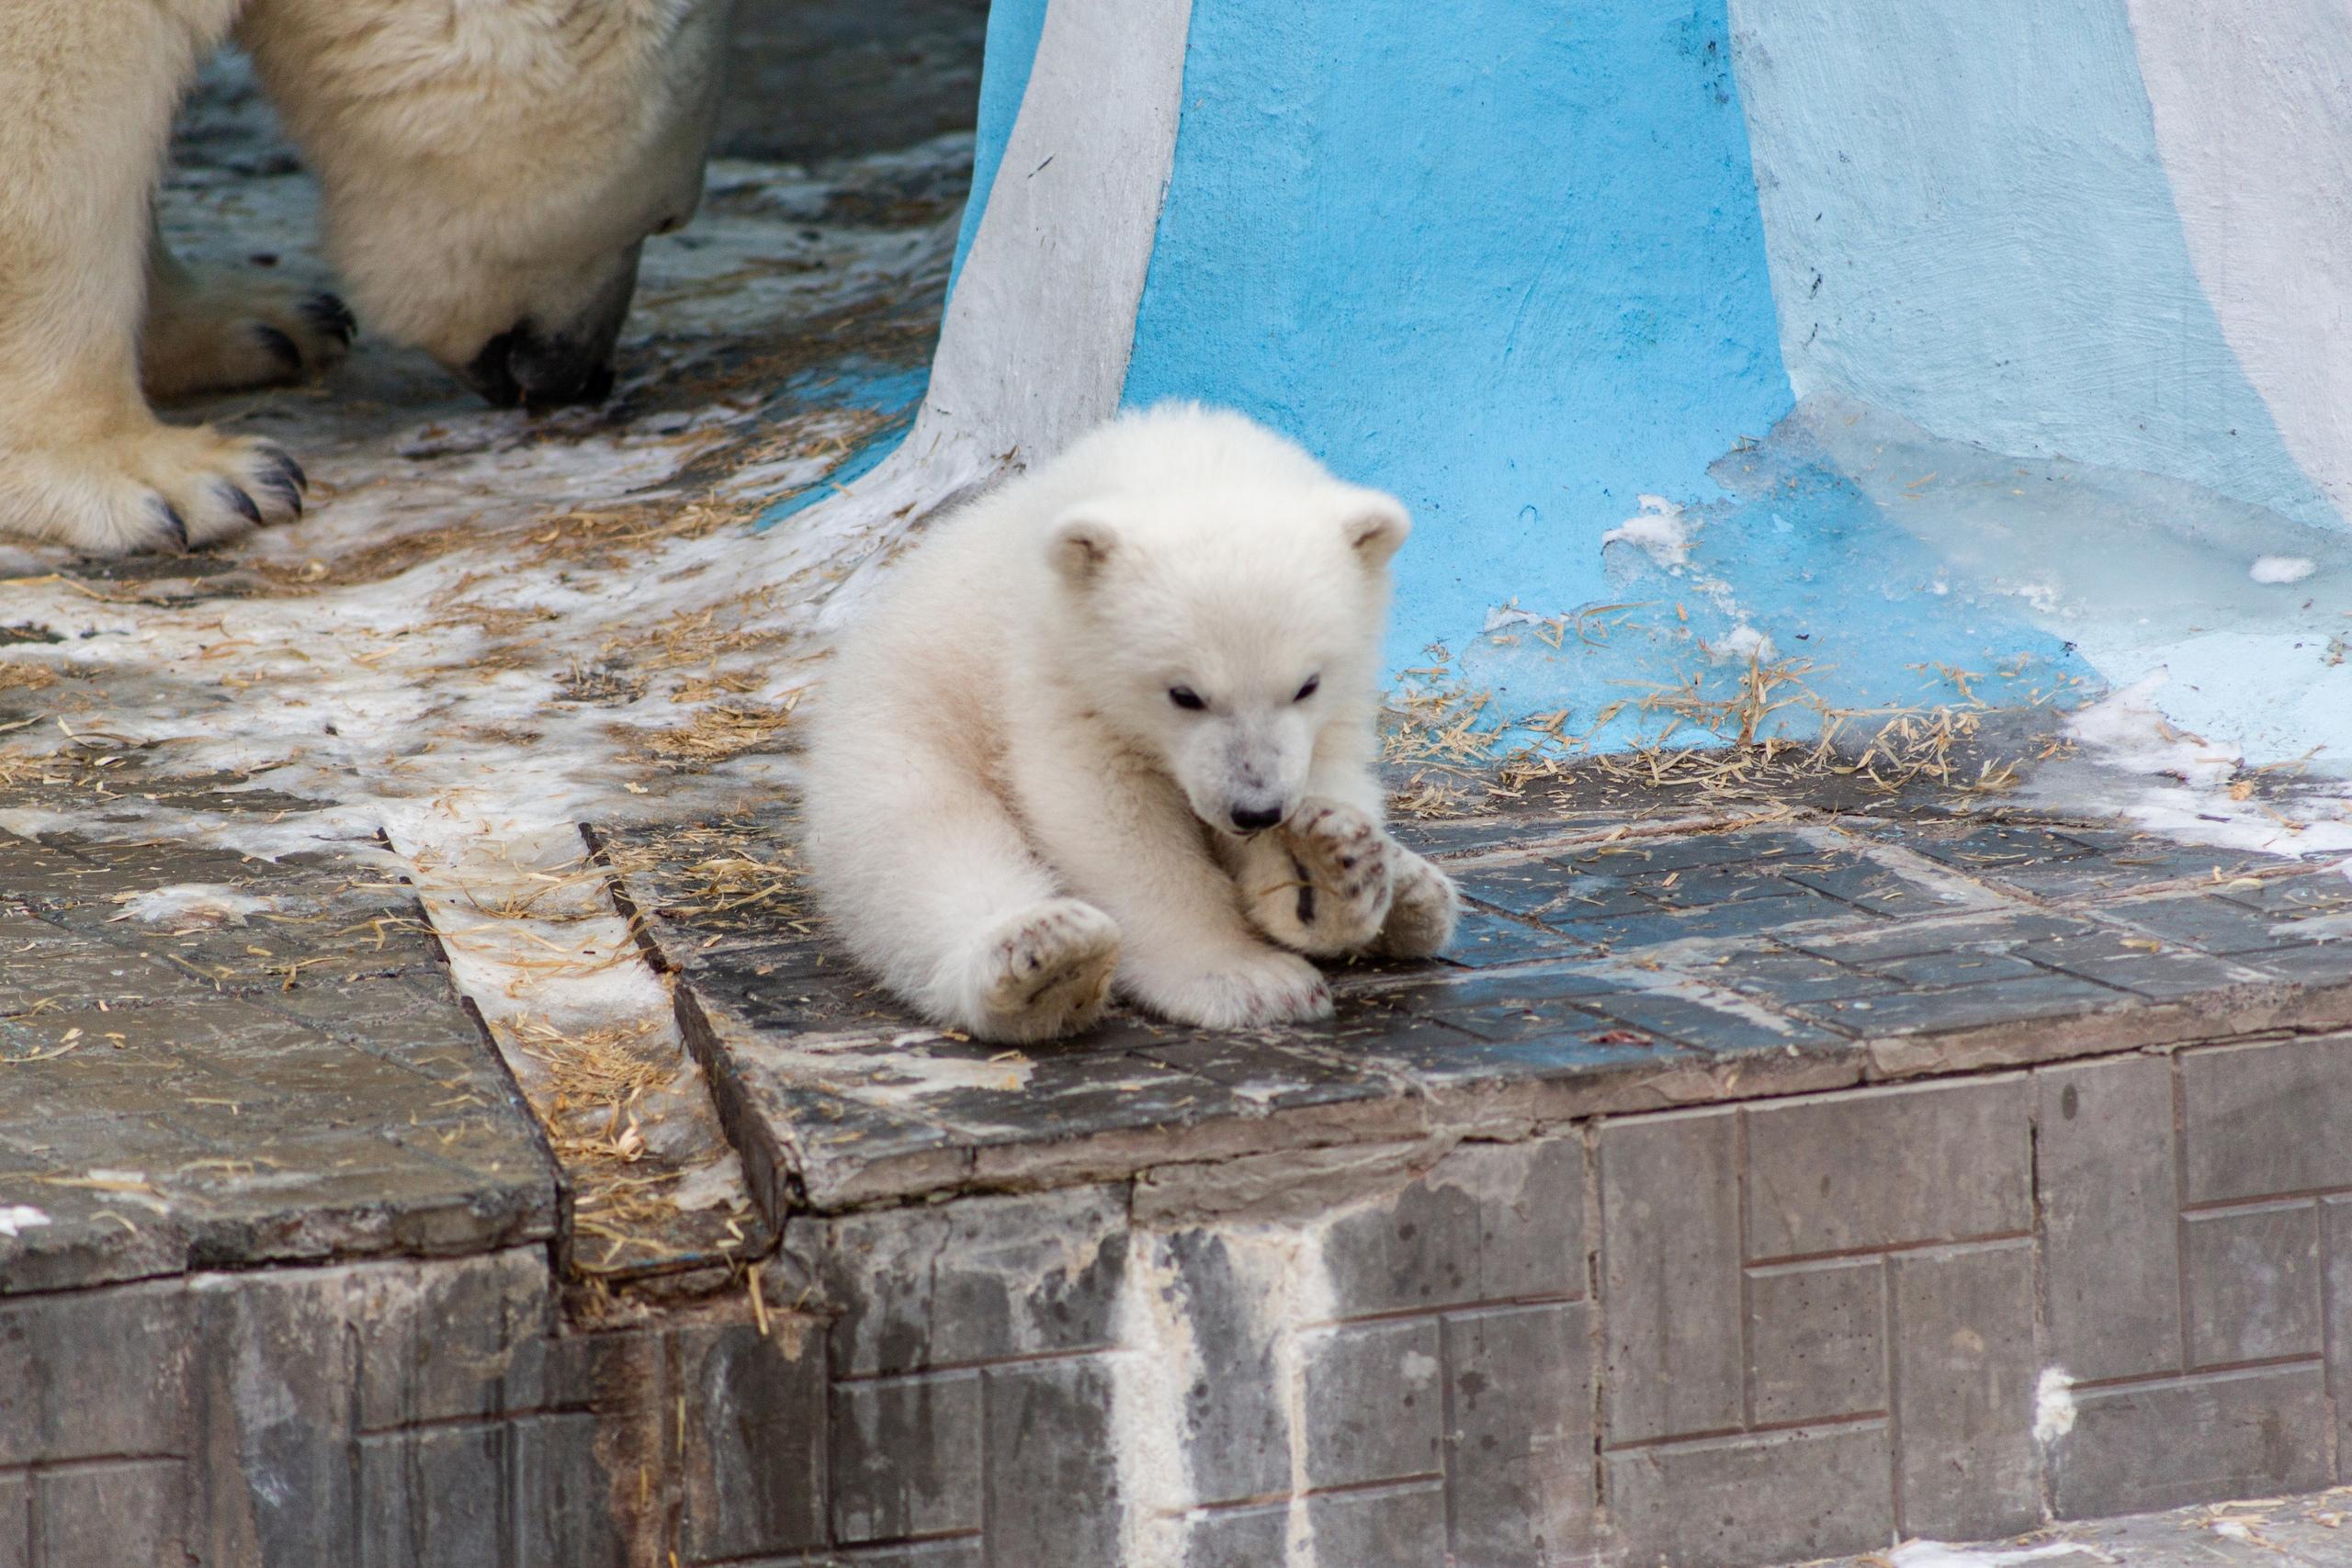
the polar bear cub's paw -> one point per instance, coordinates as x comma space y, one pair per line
222, 335
157, 487
1250, 989
1337, 894
1423, 913
1044, 972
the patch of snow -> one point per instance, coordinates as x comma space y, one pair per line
18, 1218
718, 1185
1660, 531
1661, 972
906, 1076
2128, 732
2053, 1406
1743, 645
1935, 1554
191, 906
2281, 568
1157, 1361
2315, 928
2165, 779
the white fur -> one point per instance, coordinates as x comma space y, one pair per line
1006, 810
490, 167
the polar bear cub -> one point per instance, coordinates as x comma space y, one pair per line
1112, 726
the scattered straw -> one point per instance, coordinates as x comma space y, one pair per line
588, 1095
717, 733
1435, 732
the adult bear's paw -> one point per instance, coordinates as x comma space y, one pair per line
161, 487
226, 335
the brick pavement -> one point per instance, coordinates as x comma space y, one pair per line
1731, 1199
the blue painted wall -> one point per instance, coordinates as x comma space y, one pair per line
1014, 28
1877, 294
1970, 226
1504, 259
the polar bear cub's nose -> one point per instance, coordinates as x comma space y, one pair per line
1256, 819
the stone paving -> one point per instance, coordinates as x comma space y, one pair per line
1728, 1196
2306, 1533
1753, 1183
269, 1067
1599, 969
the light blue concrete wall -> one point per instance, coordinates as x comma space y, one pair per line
1933, 324
1503, 259
1014, 28
1970, 226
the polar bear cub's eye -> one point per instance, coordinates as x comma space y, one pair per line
1314, 683
1185, 697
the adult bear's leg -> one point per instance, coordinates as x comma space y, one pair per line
213, 332
86, 93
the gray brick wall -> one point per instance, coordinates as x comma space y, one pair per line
1743, 1334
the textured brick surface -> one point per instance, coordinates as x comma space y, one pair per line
754, 1448
1031, 1377
1051, 1479
1237, 1399
1816, 1340
1939, 1162
973, 1281
1401, 1526
2254, 1284
2109, 1200
1964, 1377
16, 1521
1779, 1497
1520, 1431
1375, 1406
2264, 1119
1669, 1272
2157, 1445
1488, 1222
906, 1457
1237, 1537
2336, 1229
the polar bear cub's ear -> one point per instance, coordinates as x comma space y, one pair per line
1376, 523
1081, 544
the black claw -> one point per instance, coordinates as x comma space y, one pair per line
282, 349
173, 523
283, 478
287, 468
282, 491
239, 501
332, 316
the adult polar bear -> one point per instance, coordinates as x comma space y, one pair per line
491, 169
